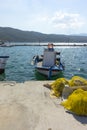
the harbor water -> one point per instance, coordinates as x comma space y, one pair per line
19, 68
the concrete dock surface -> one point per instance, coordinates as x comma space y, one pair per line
28, 106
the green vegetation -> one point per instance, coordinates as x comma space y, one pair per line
15, 35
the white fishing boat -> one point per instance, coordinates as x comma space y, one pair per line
3, 60
49, 63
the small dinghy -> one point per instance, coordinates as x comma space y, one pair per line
49, 63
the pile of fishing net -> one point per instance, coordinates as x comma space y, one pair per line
57, 87
77, 81
63, 86
77, 102
75, 91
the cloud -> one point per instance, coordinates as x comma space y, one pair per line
39, 16
61, 22
67, 20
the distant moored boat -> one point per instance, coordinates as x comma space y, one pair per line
3, 60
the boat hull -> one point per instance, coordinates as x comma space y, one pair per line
2, 71
46, 71
3, 60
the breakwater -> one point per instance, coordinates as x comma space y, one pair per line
41, 44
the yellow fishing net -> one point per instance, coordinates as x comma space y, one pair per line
77, 102
77, 97
77, 81
58, 86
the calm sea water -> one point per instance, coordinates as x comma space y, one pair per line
19, 68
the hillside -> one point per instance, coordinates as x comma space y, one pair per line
16, 35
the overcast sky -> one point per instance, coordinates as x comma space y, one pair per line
46, 16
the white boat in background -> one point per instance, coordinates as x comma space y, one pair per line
3, 60
49, 63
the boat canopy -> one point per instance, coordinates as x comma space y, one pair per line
49, 58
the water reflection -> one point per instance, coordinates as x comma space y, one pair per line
2, 77
39, 76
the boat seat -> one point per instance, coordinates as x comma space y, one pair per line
49, 58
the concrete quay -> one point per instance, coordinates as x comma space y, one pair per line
28, 106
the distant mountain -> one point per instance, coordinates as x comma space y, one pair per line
82, 34
16, 35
